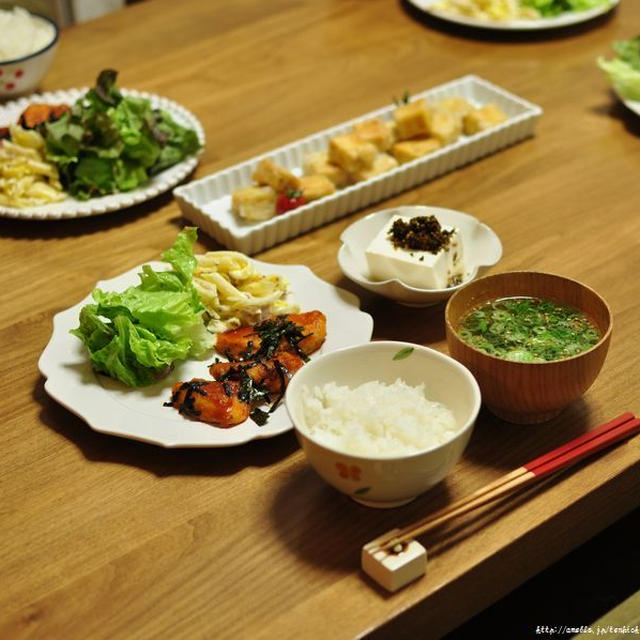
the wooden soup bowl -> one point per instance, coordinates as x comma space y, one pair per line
522, 392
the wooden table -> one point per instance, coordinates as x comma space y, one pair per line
108, 538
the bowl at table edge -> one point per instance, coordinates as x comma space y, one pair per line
22, 75
482, 249
394, 480
525, 392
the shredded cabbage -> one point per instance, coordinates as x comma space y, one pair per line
235, 293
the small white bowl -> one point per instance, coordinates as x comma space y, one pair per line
482, 249
22, 75
395, 480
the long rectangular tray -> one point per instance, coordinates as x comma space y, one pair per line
207, 202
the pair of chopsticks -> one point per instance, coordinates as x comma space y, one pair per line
624, 426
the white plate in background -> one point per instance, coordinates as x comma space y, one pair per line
72, 208
633, 105
563, 20
109, 406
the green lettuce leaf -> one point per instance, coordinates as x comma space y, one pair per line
550, 8
136, 335
629, 51
110, 143
624, 71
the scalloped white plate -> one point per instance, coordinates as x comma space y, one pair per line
110, 407
72, 208
482, 249
562, 20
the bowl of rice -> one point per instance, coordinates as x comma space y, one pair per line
384, 421
27, 47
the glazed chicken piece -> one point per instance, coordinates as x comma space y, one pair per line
302, 333
210, 401
36, 114
272, 375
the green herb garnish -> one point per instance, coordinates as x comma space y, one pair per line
528, 330
404, 99
403, 353
272, 332
259, 416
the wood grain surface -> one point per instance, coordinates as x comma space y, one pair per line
102, 537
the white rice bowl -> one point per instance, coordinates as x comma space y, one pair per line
383, 421
376, 419
22, 34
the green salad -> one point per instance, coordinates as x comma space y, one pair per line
551, 8
526, 329
109, 143
624, 70
135, 336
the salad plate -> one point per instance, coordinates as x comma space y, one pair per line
73, 208
138, 413
563, 20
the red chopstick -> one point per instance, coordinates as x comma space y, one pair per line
620, 428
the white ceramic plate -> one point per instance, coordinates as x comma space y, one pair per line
634, 105
562, 20
72, 208
207, 201
110, 407
482, 249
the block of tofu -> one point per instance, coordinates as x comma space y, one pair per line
455, 105
278, 178
376, 132
352, 153
417, 268
444, 126
314, 187
412, 119
383, 163
483, 118
409, 150
254, 203
317, 164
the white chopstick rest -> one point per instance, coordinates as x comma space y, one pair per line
394, 570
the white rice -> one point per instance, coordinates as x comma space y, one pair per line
376, 419
22, 34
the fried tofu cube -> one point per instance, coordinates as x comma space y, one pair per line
352, 153
317, 164
412, 119
376, 132
408, 150
254, 203
444, 126
383, 163
314, 187
278, 178
457, 106
483, 118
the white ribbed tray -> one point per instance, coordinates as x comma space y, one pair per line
207, 202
